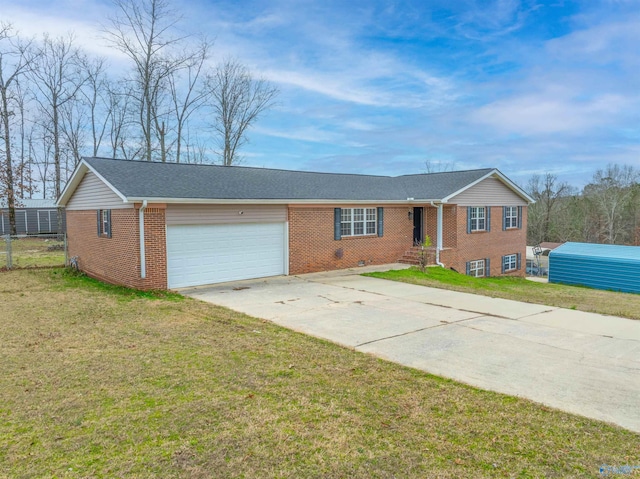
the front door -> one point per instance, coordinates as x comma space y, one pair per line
418, 225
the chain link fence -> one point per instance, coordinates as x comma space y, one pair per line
33, 251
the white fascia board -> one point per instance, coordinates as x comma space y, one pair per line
72, 184
217, 201
515, 188
495, 172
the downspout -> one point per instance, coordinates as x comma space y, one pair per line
438, 233
143, 262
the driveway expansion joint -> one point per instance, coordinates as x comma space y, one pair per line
407, 333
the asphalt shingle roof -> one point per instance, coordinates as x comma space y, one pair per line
142, 179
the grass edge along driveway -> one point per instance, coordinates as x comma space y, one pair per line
626, 305
100, 381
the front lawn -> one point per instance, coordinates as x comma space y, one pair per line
99, 381
613, 303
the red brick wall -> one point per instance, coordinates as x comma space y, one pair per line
450, 224
312, 246
493, 244
117, 259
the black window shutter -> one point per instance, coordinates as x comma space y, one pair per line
488, 216
519, 217
518, 256
99, 223
503, 269
468, 220
108, 223
468, 268
380, 221
487, 267
504, 218
337, 218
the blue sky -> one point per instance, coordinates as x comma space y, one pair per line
381, 87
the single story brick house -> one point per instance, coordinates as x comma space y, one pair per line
155, 225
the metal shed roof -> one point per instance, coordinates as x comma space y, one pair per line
600, 251
31, 203
600, 266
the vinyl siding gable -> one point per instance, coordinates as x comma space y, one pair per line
489, 192
92, 194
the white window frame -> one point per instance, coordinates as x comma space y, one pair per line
478, 220
358, 222
477, 268
510, 262
511, 217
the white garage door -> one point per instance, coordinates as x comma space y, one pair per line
205, 254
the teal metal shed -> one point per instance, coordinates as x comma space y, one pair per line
600, 266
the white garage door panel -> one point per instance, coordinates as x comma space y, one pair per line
207, 254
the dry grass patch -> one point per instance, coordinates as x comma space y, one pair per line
30, 252
613, 303
108, 382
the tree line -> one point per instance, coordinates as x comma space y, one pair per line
606, 210
58, 103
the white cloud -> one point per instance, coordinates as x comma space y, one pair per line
606, 42
310, 134
549, 113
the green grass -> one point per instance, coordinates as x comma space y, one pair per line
33, 252
100, 381
520, 289
77, 279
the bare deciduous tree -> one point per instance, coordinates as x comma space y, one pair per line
237, 99
95, 93
612, 192
143, 30
118, 112
193, 98
16, 60
437, 166
547, 191
58, 77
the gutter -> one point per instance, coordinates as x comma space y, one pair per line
280, 201
143, 262
438, 234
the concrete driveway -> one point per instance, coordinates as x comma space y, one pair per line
584, 363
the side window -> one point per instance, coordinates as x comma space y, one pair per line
476, 268
478, 218
479, 268
511, 217
510, 262
104, 223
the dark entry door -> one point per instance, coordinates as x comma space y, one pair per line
418, 225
